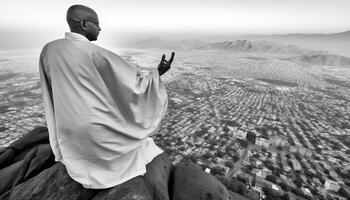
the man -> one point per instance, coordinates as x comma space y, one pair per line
100, 111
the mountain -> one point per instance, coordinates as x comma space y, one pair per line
263, 47
313, 57
339, 36
295, 53
336, 43
238, 45
333, 60
331, 36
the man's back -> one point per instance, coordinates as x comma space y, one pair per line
100, 111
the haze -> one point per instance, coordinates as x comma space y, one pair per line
30, 24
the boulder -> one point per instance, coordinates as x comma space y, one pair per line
157, 177
134, 189
34, 162
33, 137
8, 176
152, 186
52, 183
190, 182
23, 180
19, 149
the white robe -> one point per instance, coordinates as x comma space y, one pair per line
100, 111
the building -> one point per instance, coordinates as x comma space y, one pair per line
331, 185
296, 165
277, 141
262, 142
207, 170
304, 151
306, 191
293, 149
259, 173
240, 134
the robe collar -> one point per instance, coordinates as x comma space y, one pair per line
75, 36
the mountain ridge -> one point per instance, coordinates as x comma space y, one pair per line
294, 53
336, 43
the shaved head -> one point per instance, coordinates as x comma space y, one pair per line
80, 12
77, 18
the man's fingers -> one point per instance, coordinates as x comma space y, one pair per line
163, 58
172, 57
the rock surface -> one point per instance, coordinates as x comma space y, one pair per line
190, 182
28, 171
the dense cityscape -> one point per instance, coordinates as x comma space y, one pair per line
265, 127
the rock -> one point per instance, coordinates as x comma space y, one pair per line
37, 135
157, 177
43, 159
8, 176
134, 189
19, 149
153, 185
34, 162
52, 183
55, 183
6, 157
190, 182
237, 196
21, 154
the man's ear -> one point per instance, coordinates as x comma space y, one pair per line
83, 25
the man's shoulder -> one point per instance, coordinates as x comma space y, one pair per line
100, 51
52, 44
87, 47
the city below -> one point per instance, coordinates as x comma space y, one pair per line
266, 127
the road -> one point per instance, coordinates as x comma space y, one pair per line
239, 163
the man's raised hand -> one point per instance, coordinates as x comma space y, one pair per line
165, 65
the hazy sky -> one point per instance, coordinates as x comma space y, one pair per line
40, 20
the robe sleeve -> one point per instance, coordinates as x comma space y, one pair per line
140, 97
49, 107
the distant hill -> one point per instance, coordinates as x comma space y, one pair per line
313, 57
333, 60
339, 36
332, 36
295, 53
263, 47
238, 45
336, 43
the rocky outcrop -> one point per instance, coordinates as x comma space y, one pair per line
34, 162
28, 171
52, 183
18, 149
190, 182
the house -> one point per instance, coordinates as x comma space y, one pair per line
331, 185
259, 173
262, 142
306, 191
207, 170
296, 165
277, 141
240, 134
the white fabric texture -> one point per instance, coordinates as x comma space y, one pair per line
100, 111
